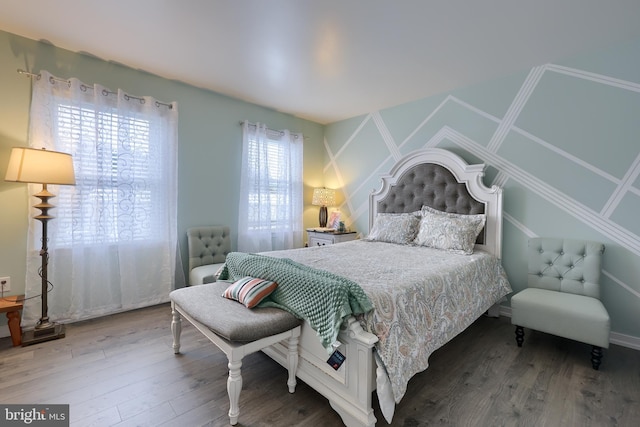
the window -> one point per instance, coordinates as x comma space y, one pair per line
270, 214
276, 168
118, 182
113, 242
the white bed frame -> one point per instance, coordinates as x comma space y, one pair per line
349, 389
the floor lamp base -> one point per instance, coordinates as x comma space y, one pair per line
35, 336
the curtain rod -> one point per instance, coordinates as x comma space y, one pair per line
105, 92
272, 130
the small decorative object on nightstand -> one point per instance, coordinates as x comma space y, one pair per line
329, 237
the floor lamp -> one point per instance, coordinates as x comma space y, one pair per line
42, 167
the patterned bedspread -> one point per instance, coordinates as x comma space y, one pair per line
423, 297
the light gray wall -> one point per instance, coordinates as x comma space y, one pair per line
209, 143
563, 139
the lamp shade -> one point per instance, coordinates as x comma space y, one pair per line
323, 197
40, 166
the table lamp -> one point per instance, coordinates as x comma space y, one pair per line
323, 197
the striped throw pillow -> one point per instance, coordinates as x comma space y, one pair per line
249, 290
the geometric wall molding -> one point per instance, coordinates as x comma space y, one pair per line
562, 201
543, 120
621, 283
598, 220
518, 103
520, 226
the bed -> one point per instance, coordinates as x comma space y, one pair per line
415, 312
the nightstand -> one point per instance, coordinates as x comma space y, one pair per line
324, 238
12, 306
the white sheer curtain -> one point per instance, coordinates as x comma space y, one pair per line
113, 242
270, 214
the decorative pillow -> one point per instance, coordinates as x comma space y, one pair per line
395, 228
453, 232
249, 290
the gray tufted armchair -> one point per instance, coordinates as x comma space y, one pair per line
208, 249
563, 294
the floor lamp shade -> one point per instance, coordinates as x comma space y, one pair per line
42, 167
323, 197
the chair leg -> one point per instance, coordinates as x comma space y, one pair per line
176, 329
519, 335
596, 357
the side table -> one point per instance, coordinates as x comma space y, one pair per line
324, 238
12, 306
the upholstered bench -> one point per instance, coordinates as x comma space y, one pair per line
234, 329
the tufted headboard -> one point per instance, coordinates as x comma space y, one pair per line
442, 180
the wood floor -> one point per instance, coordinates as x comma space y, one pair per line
121, 371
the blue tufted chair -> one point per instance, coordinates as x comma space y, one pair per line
208, 249
563, 294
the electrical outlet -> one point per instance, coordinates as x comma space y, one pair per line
5, 284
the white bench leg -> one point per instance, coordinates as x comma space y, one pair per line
236, 351
234, 387
176, 328
292, 344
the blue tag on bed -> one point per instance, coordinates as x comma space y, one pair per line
336, 359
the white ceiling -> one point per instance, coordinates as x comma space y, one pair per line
326, 60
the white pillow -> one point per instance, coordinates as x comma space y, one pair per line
456, 233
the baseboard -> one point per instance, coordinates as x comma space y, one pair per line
624, 340
614, 337
505, 311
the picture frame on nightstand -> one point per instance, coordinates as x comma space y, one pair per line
334, 220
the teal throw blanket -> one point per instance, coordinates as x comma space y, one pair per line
321, 298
